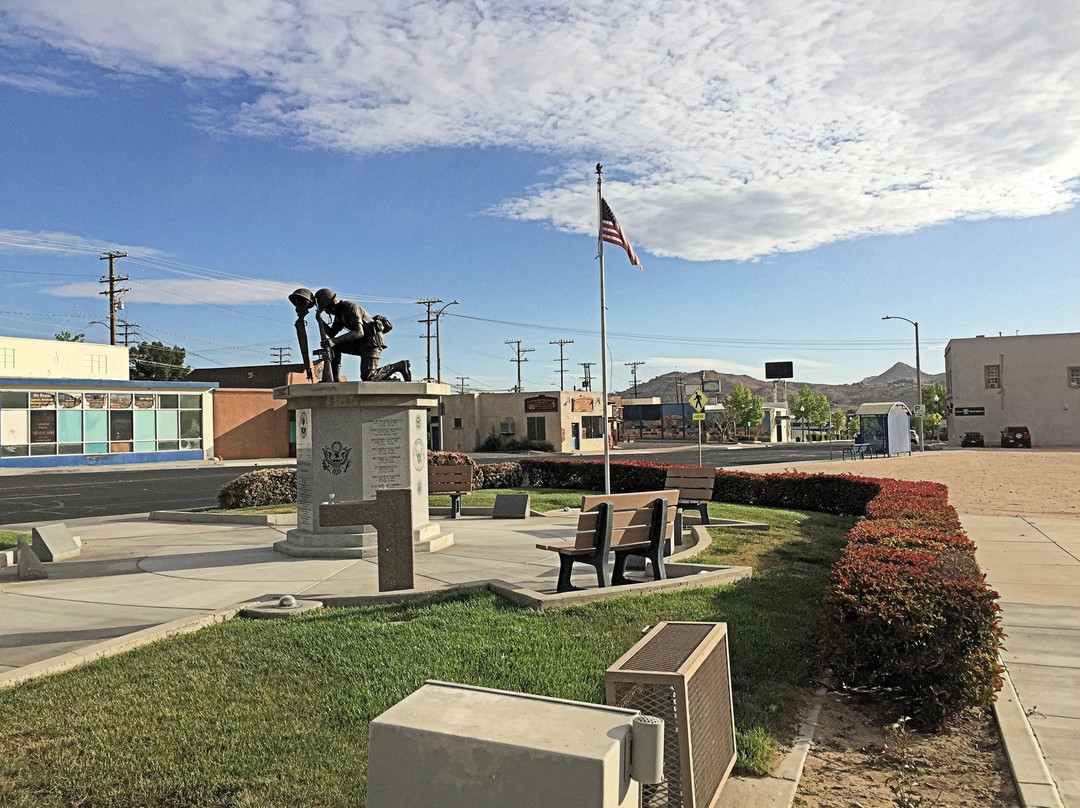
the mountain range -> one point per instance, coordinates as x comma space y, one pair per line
895, 384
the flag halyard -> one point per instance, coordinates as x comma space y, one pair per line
611, 232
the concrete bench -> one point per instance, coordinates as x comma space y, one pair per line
627, 525
452, 480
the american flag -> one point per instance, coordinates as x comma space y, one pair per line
611, 232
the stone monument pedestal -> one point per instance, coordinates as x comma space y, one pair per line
353, 439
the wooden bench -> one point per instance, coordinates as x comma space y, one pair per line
452, 480
624, 524
695, 486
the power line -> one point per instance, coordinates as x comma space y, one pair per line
429, 302
462, 379
283, 355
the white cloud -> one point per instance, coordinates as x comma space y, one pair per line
186, 292
730, 129
33, 241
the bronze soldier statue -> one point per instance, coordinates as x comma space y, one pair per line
360, 335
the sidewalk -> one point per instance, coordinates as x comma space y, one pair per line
1034, 564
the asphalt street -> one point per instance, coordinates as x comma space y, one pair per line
59, 494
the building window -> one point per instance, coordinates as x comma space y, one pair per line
97, 363
457, 423
992, 375
537, 428
7, 357
1074, 377
593, 426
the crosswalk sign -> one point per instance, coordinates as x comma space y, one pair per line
698, 400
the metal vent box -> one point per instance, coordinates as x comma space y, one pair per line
449, 745
680, 672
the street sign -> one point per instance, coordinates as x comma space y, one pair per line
698, 416
698, 400
919, 411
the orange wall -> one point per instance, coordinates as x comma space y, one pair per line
249, 424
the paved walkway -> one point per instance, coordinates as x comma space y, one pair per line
1034, 564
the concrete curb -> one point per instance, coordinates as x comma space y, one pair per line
1033, 780
114, 646
778, 789
202, 517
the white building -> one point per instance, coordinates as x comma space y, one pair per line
1031, 381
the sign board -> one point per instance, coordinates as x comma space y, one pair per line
918, 411
698, 416
711, 386
583, 404
698, 400
542, 404
779, 370
969, 411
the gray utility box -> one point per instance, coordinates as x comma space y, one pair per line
456, 746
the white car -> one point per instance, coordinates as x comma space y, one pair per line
914, 437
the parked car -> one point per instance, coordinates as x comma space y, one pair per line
972, 439
914, 437
1016, 436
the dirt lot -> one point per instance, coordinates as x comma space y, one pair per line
856, 761
992, 482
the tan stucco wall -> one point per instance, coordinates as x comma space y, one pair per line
249, 424
480, 413
1034, 389
54, 359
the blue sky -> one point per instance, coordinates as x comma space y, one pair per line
788, 172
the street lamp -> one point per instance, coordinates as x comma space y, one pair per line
438, 344
918, 376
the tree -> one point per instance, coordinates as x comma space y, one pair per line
839, 422
67, 336
933, 399
743, 407
154, 360
810, 406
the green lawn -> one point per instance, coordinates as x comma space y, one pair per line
269, 713
9, 539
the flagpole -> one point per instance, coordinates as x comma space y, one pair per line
603, 331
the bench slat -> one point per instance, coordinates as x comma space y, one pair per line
447, 479
695, 484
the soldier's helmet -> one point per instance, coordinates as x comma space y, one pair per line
325, 298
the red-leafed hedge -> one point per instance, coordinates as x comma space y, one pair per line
921, 624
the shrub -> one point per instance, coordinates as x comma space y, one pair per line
457, 459
273, 486
502, 475
923, 625
902, 533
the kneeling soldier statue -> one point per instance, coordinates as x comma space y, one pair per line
360, 335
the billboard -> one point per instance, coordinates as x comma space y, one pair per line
778, 370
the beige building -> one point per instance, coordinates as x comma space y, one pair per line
55, 359
569, 421
1032, 381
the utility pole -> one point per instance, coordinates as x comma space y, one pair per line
282, 355
463, 379
519, 359
586, 383
112, 291
429, 302
680, 390
561, 343
633, 369
128, 328
438, 340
